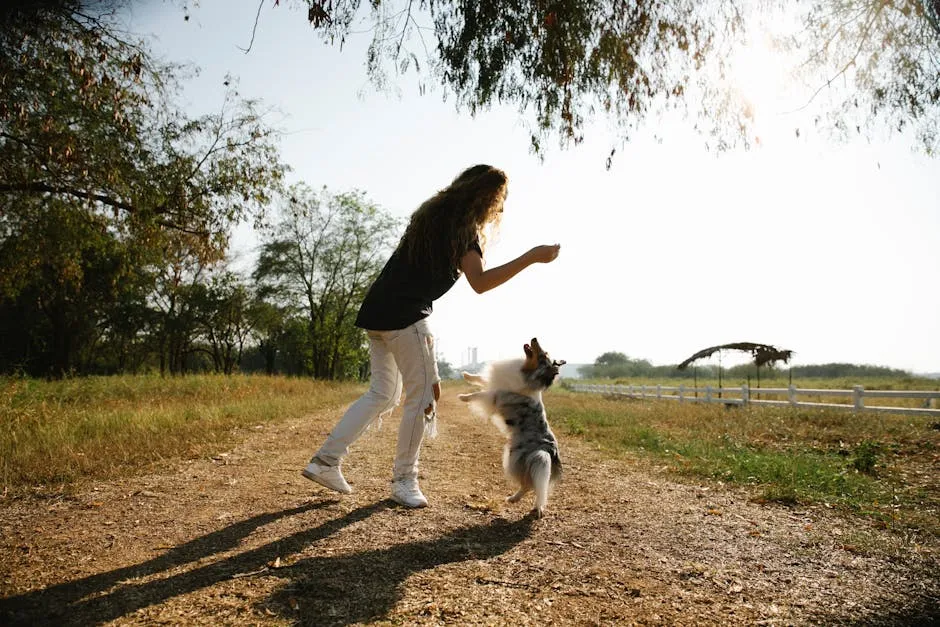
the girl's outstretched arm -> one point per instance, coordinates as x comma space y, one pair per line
484, 280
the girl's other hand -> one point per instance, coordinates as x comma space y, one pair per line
545, 253
437, 396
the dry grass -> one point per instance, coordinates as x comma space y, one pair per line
57, 432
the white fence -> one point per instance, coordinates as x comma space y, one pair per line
745, 395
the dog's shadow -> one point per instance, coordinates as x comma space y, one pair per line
323, 590
364, 586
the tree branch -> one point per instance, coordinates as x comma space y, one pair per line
863, 39
404, 29
45, 188
253, 30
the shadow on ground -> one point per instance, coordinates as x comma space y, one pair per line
331, 590
365, 586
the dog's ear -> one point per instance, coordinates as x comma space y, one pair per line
531, 359
535, 345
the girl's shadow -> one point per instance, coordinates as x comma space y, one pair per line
337, 590
366, 585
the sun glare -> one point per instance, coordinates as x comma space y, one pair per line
756, 73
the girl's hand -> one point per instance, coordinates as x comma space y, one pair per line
437, 396
545, 253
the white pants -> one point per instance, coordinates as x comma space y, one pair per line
400, 359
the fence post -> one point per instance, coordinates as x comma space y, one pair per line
643, 392
708, 394
791, 394
632, 394
659, 392
745, 395
857, 397
681, 390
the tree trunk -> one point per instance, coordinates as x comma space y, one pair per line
61, 344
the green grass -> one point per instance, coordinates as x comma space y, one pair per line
881, 465
53, 433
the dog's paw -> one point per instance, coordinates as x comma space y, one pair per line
473, 379
535, 513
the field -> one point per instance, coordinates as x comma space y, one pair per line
169, 501
875, 465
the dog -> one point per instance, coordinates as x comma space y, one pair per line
512, 398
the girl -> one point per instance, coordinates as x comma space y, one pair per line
445, 237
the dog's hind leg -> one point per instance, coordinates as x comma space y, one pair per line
518, 495
515, 467
475, 379
540, 469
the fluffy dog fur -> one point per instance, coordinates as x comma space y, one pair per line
512, 397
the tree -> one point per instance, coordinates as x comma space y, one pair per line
124, 345
445, 370
611, 359
101, 175
223, 313
269, 323
321, 256
612, 364
87, 117
175, 301
885, 55
867, 64
64, 273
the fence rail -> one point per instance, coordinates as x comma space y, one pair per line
746, 395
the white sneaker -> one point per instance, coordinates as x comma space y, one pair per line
328, 476
406, 492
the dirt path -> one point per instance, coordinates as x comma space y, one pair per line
243, 539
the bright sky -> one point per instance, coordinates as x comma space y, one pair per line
828, 250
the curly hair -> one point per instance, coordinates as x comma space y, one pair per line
445, 226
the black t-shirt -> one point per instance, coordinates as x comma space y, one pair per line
404, 292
